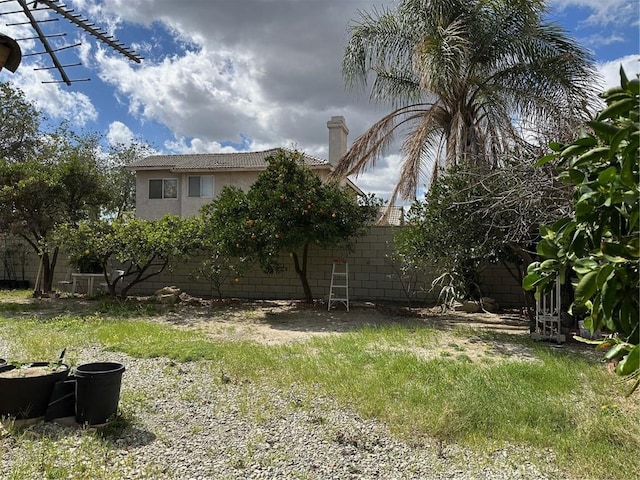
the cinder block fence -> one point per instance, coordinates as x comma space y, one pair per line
372, 276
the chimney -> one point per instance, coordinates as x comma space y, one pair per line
338, 132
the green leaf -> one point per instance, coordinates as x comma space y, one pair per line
614, 252
573, 150
617, 109
583, 266
550, 264
547, 249
591, 156
530, 281
615, 142
576, 176
609, 299
586, 340
604, 274
555, 146
607, 176
627, 176
604, 128
588, 141
546, 159
624, 81
630, 363
617, 351
586, 288
633, 247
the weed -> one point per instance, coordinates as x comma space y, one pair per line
558, 400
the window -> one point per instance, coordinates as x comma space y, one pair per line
201, 186
163, 188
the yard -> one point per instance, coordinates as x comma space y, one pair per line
281, 390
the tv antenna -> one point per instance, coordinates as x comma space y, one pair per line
31, 12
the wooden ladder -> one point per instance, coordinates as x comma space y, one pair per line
339, 289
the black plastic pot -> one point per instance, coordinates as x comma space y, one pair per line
63, 400
28, 397
97, 391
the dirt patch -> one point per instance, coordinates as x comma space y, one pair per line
285, 322
274, 322
277, 322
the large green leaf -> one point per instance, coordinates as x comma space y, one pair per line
530, 281
627, 176
604, 128
617, 108
617, 351
586, 288
592, 155
604, 274
583, 266
630, 363
547, 249
608, 175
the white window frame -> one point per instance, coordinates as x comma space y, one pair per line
200, 189
164, 188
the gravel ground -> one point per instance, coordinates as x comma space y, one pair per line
191, 421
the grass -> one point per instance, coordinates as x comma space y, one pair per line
556, 400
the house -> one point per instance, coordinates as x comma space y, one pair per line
182, 184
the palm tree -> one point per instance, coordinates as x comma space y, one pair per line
467, 79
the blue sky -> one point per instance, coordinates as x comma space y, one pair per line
223, 75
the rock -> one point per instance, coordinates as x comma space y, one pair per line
489, 305
168, 298
173, 290
468, 307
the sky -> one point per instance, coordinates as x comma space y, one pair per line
245, 75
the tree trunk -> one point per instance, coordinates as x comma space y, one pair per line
302, 272
48, 261
529, 299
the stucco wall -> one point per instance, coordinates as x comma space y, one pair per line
371, 276
184, 205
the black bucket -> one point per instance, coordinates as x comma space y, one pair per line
97, 391
63, 400
28, 396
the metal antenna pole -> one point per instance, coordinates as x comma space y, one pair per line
45, 42
77, 19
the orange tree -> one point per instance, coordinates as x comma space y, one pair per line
143, 248
286, 210
599, 244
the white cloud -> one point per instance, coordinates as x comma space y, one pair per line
201, 94
196, 145
382, 178
53, 100
601, 40
119, 134
610, 71
605, 13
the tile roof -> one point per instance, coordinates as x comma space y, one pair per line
215, 161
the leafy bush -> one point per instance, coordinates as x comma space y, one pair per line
600, 242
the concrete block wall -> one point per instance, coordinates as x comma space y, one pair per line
371, 276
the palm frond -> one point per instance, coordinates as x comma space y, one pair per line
369, 146
499, 78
